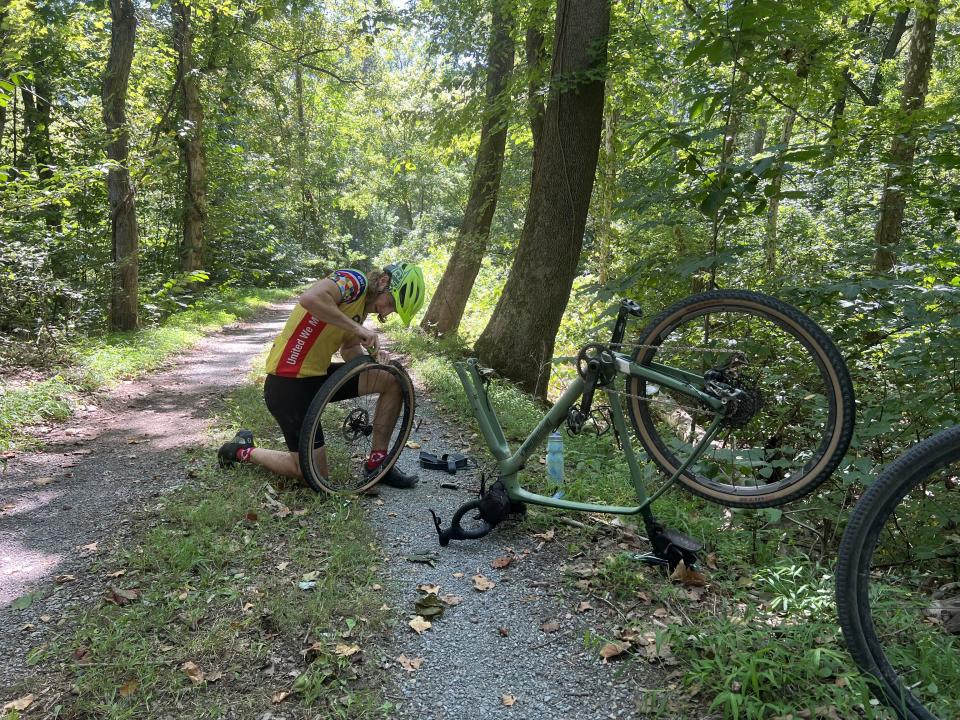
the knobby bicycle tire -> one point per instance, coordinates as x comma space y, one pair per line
838, 397
322, 403
855, 604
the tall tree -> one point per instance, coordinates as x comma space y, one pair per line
448, 302
773, 211
520, 337
123, 216
190, 135
904, 145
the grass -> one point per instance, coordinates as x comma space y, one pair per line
762, 642
218, 567
93, 363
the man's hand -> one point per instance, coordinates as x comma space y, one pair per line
370, 339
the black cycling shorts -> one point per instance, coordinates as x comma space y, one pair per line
288, 399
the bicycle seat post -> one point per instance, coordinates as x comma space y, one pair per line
627, 307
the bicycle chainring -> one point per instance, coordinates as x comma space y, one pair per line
603, 360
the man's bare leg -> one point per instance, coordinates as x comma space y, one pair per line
388, 404
277, 462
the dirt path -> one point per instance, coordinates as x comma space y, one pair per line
516, 650
64, 506
489, 656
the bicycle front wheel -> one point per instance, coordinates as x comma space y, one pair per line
898, 581
792, 420
363, 407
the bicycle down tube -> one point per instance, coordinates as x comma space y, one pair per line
509, 464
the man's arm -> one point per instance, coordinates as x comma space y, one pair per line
351, 348
322, 300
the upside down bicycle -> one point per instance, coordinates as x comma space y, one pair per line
737, 396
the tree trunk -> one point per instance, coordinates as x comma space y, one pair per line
520, 337
889, 52
123, 217
773, 213
609, 188
759, 137
191, 141
904, 145
36, 142
307, 204
450, 298
535, 58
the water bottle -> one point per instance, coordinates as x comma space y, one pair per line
555, 460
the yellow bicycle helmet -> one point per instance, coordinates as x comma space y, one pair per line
407, 288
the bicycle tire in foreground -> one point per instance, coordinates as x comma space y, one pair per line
898, 581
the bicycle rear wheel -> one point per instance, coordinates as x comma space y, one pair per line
793, 421
898, 581
342, 428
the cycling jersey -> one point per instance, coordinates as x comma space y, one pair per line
306, 345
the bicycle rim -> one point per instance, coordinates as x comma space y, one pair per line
898, 582
344, 431
794, 424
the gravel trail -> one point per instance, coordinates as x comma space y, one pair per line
64, 506
488, 656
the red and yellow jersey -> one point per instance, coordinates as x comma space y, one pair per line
306, 345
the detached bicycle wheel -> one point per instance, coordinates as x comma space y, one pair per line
898, 581
792, 420
364, 406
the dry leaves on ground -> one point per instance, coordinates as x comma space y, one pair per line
129, 688
120, 596
501, 562
612, 650
410, 664
451, 600
550, 626
428, 588
583, 606
279, 697
20, 703
193, 672
482, 583
684, 575
507, 699
419, 624
344, 650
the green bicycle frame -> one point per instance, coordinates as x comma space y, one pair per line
510, 463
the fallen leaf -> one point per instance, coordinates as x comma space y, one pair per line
118, 573
128, 688
660, 612
45, 618
193, 672
501, 562
344, 650
41, 481
214, 676
696, 593
120, 596
684, 575
428, 588
458, 575
20, 703
376, 586
451, 600
87, 549
504, 631
550, 626
419, 624
413, 445
283, 512
612, 650
279, 697
82, 654
482, 583
283, 566
312, 575
711, 561
251, 517
410, 664
583, 606
507, 700
430, 606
